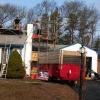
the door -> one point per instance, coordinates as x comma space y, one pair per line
88, 66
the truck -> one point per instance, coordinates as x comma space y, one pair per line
60, 65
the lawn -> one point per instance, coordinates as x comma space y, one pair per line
35, 90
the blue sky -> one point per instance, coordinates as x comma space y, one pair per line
31, 3
27, 3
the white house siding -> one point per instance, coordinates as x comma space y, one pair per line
23, 54
28, 49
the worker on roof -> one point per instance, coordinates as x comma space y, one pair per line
17, 23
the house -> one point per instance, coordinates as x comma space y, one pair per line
16, 39
22, 41
11, 39
91, 56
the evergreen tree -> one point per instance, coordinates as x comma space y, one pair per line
15, 66
55, 21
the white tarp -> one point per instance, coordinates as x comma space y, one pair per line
89, 53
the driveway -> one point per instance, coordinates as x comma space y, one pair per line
93, 90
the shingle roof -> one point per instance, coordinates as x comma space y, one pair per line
12, 39
7, 31
57, 47
12, 36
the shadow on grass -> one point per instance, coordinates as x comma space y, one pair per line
71, 84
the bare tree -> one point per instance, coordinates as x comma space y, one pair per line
45, 7
34, 13
81, 21
55, 23
96, 45
93, 24
87, 24
9, 12
70, 12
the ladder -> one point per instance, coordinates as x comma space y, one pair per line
4, 64
3, 70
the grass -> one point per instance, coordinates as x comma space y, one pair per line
35, 90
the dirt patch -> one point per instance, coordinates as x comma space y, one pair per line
35, 90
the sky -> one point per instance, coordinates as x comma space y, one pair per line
27, 3
31, 3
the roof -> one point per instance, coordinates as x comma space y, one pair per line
12, 36
77, 46
12, 39
7, 31
57, 47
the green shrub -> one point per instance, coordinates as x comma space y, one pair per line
15, 67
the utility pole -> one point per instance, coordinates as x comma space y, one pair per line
82, 52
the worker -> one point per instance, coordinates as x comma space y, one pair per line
17, 23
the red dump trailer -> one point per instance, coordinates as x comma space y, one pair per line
60, 65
